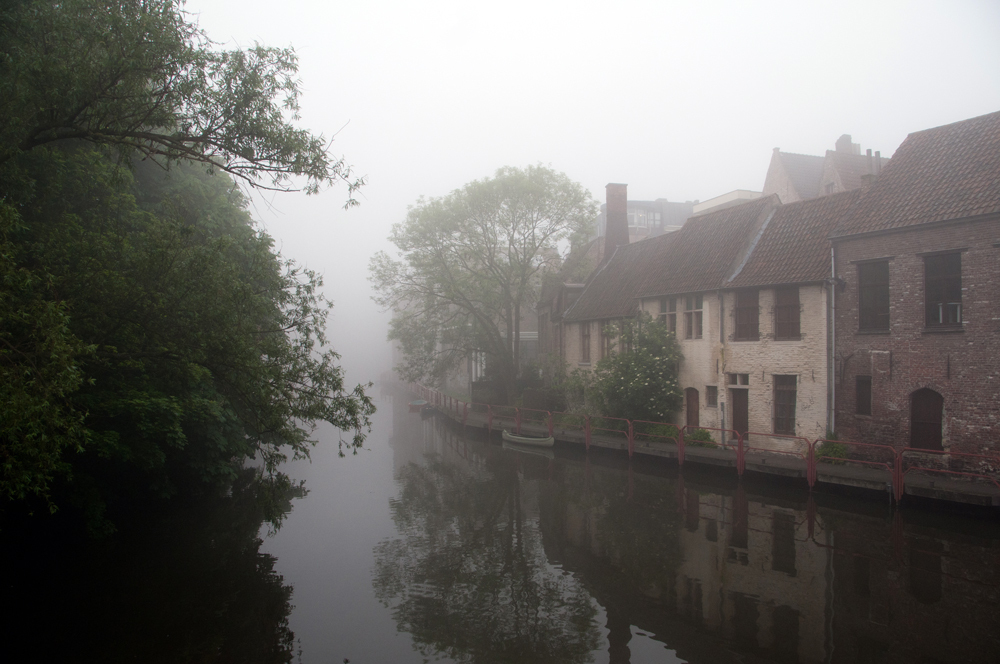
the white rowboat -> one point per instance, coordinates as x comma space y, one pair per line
535, 441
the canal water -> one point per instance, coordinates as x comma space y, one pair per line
429, 546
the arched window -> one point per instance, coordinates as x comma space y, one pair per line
926, 407
691, 399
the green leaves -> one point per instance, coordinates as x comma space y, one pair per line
136, 76
470, 264
640, 383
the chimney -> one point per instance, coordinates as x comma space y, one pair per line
844, 144
616, 227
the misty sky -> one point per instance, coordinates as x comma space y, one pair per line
682, 101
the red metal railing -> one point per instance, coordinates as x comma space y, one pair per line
867, 449
897, 462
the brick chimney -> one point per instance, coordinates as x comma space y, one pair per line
616, 224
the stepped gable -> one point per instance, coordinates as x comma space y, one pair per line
794, 247
708, 249
804, 171
939, 174
612, 290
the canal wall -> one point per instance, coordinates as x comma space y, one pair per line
904, 475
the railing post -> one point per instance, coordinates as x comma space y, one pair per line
551, 428
897, 482
811, 465
517, 420
489, 418
631, 440
465, 413
586, 426
680, 446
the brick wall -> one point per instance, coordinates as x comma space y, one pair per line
962, 366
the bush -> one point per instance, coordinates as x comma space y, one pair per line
832, 451
699, 438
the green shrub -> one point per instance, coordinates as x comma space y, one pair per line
832, 451
699, 438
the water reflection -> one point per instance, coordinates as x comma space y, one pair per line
505, 556
190, 585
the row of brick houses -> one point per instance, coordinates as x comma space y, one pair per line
874, 312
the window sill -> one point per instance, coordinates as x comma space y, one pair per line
943, 329
873, 332
583, 364
788, 338
748, 339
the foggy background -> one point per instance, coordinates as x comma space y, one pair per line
681, 101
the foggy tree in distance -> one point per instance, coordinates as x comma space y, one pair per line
138, 76
470, 265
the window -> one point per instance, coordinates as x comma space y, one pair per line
607, 338
863, 395
747, 316
711, 395
873, 297
738, 379
943, 290
786, 313
585, 341
668, 313
784, 404
692, 317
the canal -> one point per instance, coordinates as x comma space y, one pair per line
428, 546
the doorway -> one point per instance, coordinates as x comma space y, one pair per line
741, 410
926, 407
693, 407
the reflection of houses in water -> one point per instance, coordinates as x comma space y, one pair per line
751, 572
859, 589
717, 573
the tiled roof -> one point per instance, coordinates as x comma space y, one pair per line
804, 171
612, 290
948, 172
707, 250
794, 247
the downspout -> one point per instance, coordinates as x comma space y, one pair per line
831, 418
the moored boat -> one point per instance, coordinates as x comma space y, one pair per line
535, 441
417, 405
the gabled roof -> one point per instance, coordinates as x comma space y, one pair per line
707, 250
949, 172
794, 247
611, 290
804, 171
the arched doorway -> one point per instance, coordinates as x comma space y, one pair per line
926, 408
693, 406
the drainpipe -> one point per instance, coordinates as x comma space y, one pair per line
831, 419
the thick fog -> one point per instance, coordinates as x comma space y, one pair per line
680, 100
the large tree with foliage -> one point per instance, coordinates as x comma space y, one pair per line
139, 76
469, 268
151, 338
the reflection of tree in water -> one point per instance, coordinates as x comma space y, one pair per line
468, 576
188, 586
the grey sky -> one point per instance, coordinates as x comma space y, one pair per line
679, 100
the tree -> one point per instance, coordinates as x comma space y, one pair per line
137, 76
638, 381
469, 267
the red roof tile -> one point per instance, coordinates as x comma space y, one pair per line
794, 246
708, 249
948, 172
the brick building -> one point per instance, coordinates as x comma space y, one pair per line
918, 301
799, 177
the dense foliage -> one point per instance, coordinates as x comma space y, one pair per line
470, 265
638, 380
151, 338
